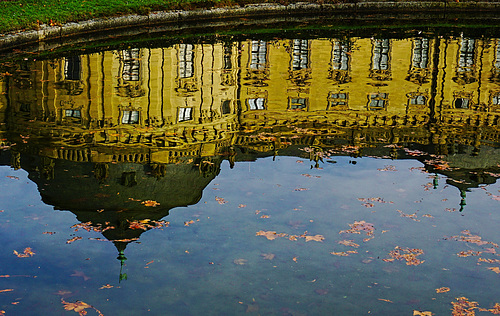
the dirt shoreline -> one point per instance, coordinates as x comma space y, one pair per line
88, 28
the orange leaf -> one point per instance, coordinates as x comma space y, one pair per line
26, 253
419, 313
443, 290
150, 203
385, 300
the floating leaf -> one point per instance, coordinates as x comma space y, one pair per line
494, 269
419, 313
27, 252
220, 200
150, 203
69, 241
79, 306
358, 227
385, 300
315, 238
349, 243
443, 290
463, 307
410, 216
271, 235
407, 254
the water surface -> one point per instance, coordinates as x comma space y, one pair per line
273, 175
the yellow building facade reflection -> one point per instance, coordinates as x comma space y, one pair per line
154, 105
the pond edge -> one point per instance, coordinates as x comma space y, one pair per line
48, 33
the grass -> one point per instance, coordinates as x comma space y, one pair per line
28, 14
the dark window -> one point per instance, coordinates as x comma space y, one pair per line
72, 68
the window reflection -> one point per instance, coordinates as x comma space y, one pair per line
380, 61
258, 56
72, 68
465, 71
256, 104
297, 103
131, 65
378, 101
419, 70
186, 56
337, 101
185, 114
130, 117
340, 60
300, 51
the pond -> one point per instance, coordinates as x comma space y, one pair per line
272, 174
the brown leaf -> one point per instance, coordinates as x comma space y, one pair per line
349, 243
271, 235
78, 306
315, 238
443, 290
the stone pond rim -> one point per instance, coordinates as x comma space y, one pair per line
257, 11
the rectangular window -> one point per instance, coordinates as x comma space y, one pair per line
130, 117
462, 103
227, 64
420, 56
297, 103
378, 101
131, 65
497, 55
256, 104
226, 107
258, 55
496, 99
380, 54
185, 114
418, 100
340, 56
466, 56
186, 57
337, 100
73, 113
300, 54
72, 68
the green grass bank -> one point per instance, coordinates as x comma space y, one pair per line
29, 14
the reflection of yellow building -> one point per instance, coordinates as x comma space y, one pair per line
193, 99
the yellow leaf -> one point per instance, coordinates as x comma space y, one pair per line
419, 313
